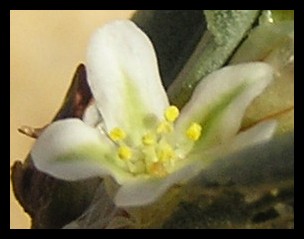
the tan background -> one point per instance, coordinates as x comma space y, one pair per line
45, 48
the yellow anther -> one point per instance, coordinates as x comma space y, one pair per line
171, 114
194, 131
164, 127
124, 152
148, 139
157, 169
117, 134
165, 153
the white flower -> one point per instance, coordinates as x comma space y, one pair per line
145, 144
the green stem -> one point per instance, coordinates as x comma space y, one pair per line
226, 29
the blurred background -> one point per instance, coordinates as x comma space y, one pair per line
45, 49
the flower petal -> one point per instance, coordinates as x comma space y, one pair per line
259, 133
143, 192
91, 116
70, 150
267, 163
220, 100
124, 77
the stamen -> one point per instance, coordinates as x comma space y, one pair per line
117, 134
148, 139
136, 167
164, 127
194, 131
165, 153
171, 113
154, 156
124, 152
158, 169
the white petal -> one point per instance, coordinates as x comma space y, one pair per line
70, 150
123, 76
91, 116
220, 100
259, 133
143, 192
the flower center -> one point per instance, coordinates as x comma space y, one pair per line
155, 155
